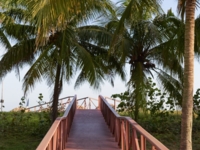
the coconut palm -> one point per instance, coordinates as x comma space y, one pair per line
187, 7
78, 55
143, 46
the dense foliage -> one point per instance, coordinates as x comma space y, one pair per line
52, 38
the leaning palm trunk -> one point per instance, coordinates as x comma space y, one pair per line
136, 113
187, 103
56, 94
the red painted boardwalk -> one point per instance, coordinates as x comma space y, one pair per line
89, 131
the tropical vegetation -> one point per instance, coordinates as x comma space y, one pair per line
56, 39
20, 130
57, 60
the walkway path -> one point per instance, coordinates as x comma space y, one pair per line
89, 131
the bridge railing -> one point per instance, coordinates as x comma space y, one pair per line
87, 103
113, 102
56, 137
47, 105
128, 133
92, 103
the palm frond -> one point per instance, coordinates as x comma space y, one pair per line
171, 85
40, 70
17, 56
4, 40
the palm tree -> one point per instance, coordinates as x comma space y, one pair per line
65, 60
142, 44
188, 7
65, 53
143, 47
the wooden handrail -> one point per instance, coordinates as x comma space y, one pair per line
87, 101
46, 103
117, 100
56, 137
114, 100
126, 130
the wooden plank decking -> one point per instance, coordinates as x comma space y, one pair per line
89, 131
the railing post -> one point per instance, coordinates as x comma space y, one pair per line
115, 130
135, 143
58, 138
66, 127
143, 142
62, 134
119, 131
127, 135
122, 134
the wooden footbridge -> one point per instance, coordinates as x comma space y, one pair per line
93, 124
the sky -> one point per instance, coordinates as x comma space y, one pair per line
12, 86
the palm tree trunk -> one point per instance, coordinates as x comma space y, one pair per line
136, 113
187, 103
56, 94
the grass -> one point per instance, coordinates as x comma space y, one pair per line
19, 142
22, 131
172, 141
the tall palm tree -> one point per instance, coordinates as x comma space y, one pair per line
144, 43
188, 7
